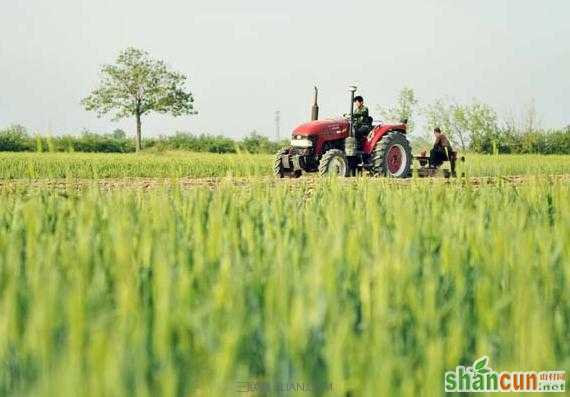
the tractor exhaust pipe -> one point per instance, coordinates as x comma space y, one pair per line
350, 141
315, 109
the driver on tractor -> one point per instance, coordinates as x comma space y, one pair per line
361, 118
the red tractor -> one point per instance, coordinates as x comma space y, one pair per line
331, 148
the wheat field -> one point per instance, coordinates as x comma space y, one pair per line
201, 165
364, 287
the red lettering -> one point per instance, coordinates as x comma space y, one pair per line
531, 382
518, 381
503, 379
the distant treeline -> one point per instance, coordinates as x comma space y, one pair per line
542, 142
513, 142
477, 127
18, 139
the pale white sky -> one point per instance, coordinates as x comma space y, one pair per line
248, 58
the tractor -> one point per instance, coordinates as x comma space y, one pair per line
331, 148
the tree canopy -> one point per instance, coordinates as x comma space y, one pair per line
468, 125
137, 85
403, 110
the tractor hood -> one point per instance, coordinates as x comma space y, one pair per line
319, 127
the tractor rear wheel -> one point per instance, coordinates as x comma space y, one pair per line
334, 163
392, 156
278, 168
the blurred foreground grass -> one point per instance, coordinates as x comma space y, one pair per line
368, 287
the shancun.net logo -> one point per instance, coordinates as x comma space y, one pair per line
481, 378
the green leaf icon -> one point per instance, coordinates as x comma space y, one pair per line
483, 371
480, 364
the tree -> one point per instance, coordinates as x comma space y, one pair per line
480, 120
15, 138
256, 143
531, 122
440, 114
473, 125
137, 85
119, 134
404, 108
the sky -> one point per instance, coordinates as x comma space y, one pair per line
248, 58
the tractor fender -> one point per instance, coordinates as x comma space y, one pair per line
378, 133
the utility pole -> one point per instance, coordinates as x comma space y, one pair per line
277, 122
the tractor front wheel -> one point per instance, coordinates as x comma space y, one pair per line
334, 163
392, 156
279, 170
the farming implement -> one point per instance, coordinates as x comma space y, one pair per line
332, 148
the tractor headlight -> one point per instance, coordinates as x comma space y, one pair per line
301, 142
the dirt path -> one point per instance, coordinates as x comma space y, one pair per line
149, 183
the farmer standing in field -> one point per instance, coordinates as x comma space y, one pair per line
441, 151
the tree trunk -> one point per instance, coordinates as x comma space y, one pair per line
138, 138
461, 138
